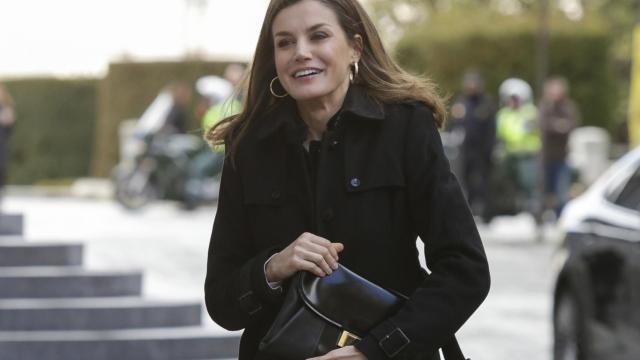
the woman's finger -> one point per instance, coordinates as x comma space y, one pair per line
318, 240
325, 252
310, 267
316, 259
325, 243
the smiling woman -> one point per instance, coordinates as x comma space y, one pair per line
336, 158
313, 60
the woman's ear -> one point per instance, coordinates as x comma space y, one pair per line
357, 46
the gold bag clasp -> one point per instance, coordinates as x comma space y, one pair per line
347, 338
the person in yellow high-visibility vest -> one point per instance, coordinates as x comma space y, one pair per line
218, 112
519, 133
218, 95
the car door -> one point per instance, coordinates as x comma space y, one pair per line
627, 197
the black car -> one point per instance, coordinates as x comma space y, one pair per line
596, 313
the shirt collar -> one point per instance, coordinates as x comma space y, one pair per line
357, 102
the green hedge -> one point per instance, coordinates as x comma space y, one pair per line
504, 46
125, 93
53, 134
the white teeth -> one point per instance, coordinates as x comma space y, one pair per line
305, 73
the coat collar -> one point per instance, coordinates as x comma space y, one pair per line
357, 102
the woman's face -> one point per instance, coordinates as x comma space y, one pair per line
312, 53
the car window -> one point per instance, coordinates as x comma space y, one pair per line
618, 182
629, 195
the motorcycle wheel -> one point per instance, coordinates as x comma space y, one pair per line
135, 189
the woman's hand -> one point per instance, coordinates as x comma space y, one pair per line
345, 353
308, 252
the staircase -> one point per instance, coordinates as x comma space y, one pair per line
52, 308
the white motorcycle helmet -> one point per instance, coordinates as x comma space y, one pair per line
214, 88
515, 87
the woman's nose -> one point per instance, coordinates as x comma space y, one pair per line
303, 51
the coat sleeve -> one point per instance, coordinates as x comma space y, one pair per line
459, 279
236, 290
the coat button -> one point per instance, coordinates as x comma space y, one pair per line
327, 215
334, 144
275, 195
355, 182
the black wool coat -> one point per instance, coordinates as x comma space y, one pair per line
382, 181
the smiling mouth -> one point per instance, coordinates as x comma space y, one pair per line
306, 73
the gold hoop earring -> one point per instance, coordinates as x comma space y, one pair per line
353, 74
273, 92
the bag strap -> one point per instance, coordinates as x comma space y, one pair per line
451, 350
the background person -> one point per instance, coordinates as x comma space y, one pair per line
228, 106
558, 117
519, 132
337, 157
219, 94
475, 113
178, 116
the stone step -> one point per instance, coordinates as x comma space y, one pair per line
11, 224
67, 282
11, 238
151, 344
96, 314
21, 253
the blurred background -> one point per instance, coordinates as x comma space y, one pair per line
107, 180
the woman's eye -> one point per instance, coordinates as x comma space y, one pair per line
318, 36
283, 43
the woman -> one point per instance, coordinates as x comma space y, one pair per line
336, 157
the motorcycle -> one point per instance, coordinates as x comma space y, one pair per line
159, 165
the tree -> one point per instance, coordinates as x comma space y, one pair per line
620, 15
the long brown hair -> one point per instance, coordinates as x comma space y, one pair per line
378, 74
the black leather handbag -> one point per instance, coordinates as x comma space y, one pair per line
320, 314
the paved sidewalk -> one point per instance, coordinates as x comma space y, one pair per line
170, 245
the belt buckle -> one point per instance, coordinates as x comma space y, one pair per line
346, 338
